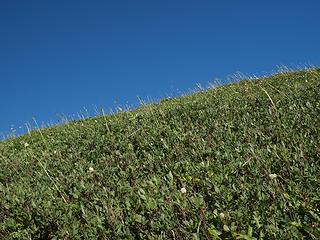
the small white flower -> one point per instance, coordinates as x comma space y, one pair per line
91, 169
272, 176
221, 215
183, 190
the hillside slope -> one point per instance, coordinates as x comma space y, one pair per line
239, 161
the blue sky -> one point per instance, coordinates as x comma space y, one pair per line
59, 57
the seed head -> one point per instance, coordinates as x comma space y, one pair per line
272, 176
183, 190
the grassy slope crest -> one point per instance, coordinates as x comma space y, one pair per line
238, 161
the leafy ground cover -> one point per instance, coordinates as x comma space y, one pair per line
240, 161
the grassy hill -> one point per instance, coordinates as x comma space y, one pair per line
239, 161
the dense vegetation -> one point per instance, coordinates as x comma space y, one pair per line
240, 161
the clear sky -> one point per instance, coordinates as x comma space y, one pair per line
58, 57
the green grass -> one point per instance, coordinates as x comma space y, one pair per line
240, 161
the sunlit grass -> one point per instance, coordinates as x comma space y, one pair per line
237, 161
